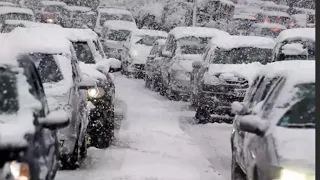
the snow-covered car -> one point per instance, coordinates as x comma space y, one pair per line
8, 4
225, 74
296, 43
113, 34
183, 46
275, 17
112, 14
51, 12
80, 17
241, 24
29, 144
16, 13
9, 25
266, 29
152, 76
136, 50
273, 134
64, 85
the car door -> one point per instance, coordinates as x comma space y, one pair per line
151, 59
170, 46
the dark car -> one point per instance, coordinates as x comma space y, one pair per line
273, 134
152, 77
52, 12
33, 150
64, 85
225, 75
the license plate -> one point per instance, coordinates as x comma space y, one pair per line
239, 92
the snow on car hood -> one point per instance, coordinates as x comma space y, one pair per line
114, 44
295, 147
91, 70
140, 53
185, 61
231, 71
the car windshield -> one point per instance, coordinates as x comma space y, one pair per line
308, 47
243, 24
8, 92
148, 40
84, 53
242, 55
279, 20
15, 16
107, 17
270, 32
302, 112
48, 68
193, 45
118, 35
54, 9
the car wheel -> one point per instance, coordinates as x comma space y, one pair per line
236, 171
202, 115
163, 89
173, 95
71, 162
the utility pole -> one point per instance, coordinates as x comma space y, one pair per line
194, 14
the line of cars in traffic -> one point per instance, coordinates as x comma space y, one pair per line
57, 99
264, 87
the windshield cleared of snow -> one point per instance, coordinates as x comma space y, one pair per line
8, 92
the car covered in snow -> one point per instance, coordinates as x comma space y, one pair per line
273, 134
64, 85
225, 74
29, 145
136, 49
152, 68
112, 14
296, 43
51, 12
80, 17
9, 25
8, 4
275, 17
183, 46
113, 34
266, 29
16, 13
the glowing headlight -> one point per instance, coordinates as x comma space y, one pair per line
292, 175
188, 74
17, 170
134, 53
49, 20
96, 92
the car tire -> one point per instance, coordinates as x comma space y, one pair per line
173, 95
236, 171
71, 162
147, 82
163, 89
202, 115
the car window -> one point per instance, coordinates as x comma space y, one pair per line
84, 53
98, 48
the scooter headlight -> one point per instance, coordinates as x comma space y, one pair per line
96, 92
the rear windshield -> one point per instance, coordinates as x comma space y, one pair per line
48, 68
279, 20
193, 45
148, 40
302, 112
107, 17
8, 92
83, 52
15, 16
242, 55
54, 9
118, 35
270, 32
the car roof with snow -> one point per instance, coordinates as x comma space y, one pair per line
5, 10
272, 4
53, 3
297, 33
111, 10
245, 16
142, 32
181, 32
269, 25
231, 42
120, 25
8, 4
31, 24
36, 40
78, 8
275, 13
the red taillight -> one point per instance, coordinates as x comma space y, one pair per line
265, 21
275, 29
291, 24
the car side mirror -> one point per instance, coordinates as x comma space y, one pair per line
252, 124
87, 83
197, 64
55, 120
167, 54
239, 108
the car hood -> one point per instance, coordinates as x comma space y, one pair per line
233, 71
185, 61
91, 70
142, 53
295, 147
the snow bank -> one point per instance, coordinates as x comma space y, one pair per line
120, 25
294, 49
5, 10
181, 32
297, 33
78, 8
231, 42
269, 25
53, 3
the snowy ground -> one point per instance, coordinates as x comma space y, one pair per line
156, 140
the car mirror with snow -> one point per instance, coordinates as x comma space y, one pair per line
252, 124
239, 108
115, 65
167, 54
55, 120
87, 83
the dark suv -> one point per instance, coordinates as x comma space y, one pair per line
273, 134
33, 149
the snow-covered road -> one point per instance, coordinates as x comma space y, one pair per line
156, 141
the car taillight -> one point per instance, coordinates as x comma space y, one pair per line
265, 22
291, 24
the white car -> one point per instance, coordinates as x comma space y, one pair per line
112, 13
113, 34
63, 83
136, 50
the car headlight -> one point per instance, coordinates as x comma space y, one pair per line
96, 92
49, 20
17, 170
293, 175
